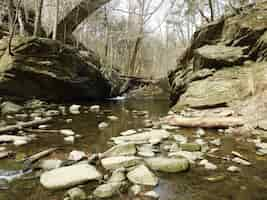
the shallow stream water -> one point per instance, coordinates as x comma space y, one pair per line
249, 184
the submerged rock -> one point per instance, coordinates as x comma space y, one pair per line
107, 190
190, 147
135, 189
10, 108
75, 194
149, 136
120, 150
66, 177
151, 194
141, 175
50, 164
170, 165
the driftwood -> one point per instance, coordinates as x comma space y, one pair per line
206, 122
22, 125
39, 155
30, 130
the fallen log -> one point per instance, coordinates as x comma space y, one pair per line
205, 122
22, 125
39, 155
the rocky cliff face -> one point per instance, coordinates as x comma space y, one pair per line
225, 63
47, 69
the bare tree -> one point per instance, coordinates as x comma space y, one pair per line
56, 21
38, 16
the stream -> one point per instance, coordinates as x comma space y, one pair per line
196, 184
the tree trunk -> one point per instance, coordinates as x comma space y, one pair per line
134, 55
71, 21
211, 10
11, 15
21, 22
56, 21
38, 17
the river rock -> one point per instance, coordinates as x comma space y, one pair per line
74, 109
12, 138
69, 139
8, 107
143, 176
151, 194
146, 150
233, 169
67, 132
128, 132
113, 163
120, 150
208, 165
180, 138
76, 155
52, 113
190, 156
66, 177
241, 161
95, 108
135, 189
170, 165
113, 118
75, 194
190, 147
145, 137
200, 132
103, 125
107, 190
20, 142
50, 164
216, 142
117, 176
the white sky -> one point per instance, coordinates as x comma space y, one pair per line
159, 16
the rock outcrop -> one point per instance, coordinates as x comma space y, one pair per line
49, 70
225, 62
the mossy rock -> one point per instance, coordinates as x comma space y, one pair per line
49, 70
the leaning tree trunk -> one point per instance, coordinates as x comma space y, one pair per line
73, 19
38, 17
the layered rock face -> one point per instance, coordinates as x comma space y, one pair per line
225, 62
49, 70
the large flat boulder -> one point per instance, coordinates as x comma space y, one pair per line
49, 70
66, 177
218, 56
169, 165
141, 175
224, 87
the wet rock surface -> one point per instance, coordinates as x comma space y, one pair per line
147, 162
